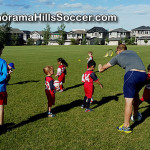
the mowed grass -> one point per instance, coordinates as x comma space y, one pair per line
28, 126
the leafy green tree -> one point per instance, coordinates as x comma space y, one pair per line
5, 31
30, 41
46, 34
145, 41
74, 42
61, 30
96, 41
84, 40
107, 40
14, 39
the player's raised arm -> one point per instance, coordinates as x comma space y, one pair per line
104, 67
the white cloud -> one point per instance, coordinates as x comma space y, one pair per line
83, 9
46, 2
132, 10
67, 5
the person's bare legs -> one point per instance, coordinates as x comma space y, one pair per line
1, 114
128, 111
135, 105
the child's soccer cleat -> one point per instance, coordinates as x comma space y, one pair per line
82, 106
136, 118
50, 114
88, 110
124, 129
61, 90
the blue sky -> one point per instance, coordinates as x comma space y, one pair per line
131, 14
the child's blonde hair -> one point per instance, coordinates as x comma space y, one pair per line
47, 69
90, 52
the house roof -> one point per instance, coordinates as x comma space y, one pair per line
78, 31
39, 32
56, 32
26, 32
119, 30
141, 28
15, 30
97, 29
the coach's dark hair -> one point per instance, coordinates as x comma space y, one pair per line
1, 46
91, 63
148, 68
62, 61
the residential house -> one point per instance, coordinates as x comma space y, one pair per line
19, 34
55, 36
77, 34
96, 33
141, 34
26, 35
36, 36
117, 35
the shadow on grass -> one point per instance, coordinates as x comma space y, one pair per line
107, 99
56, 110
145, 115
24, 82
75, 86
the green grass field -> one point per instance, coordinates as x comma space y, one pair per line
28, 126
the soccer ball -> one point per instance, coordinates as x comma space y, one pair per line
139, 117
57, 84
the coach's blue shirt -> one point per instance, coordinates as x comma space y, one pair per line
3, 75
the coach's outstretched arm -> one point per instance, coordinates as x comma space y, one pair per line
104, 67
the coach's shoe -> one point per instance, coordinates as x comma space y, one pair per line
88, 110
82, 106
124, 129
50, 114
136, 118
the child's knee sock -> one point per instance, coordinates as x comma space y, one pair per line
88, 103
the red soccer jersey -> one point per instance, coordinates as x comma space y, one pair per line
61, 72
146, 93
49, 84
49, 90
88, 78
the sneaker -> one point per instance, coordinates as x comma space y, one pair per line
124, 129
136, 118
82, 106
61, 90
50, 114
88, 110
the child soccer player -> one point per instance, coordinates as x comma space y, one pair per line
88, 78
90, 57
146, 93
49, 88
61, 72
10, 68
3, 93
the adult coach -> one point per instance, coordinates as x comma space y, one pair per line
3, 93
134, 79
